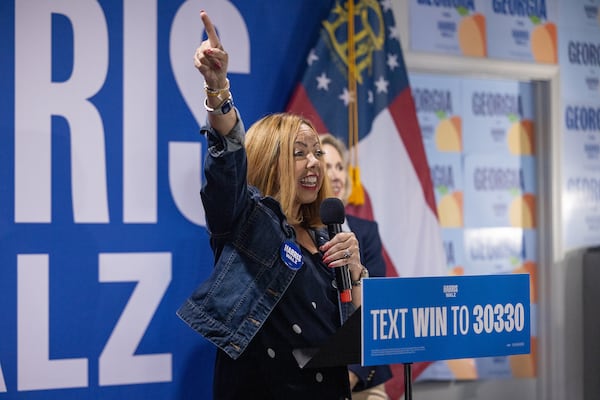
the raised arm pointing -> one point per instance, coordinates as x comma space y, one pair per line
211, 60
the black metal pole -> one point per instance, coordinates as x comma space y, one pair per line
407, 381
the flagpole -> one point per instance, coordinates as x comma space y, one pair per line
352, 104
356, 196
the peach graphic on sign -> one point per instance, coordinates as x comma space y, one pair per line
524, 365
521, 138
522, 211
457, 270
450, 210
463, 368
471, 35
543, 43
448, 134
529, 267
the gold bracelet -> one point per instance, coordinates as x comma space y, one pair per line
210, 92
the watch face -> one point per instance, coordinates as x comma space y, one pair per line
227, 107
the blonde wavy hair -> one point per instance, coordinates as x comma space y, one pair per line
340, 146
328, 138
270, 153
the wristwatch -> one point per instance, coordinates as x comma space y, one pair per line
221, 109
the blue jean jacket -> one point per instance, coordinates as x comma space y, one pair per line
247, 232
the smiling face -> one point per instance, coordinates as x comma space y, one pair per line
336, 170
308, 165
285, 162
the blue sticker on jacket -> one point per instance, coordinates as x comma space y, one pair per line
291, 255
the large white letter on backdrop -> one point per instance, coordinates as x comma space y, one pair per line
37, 99
186, 34
118, 363
140, 111
35, 369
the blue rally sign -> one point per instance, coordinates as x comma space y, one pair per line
407, 320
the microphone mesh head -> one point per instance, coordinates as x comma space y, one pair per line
332, 211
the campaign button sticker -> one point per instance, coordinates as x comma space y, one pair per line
291, 255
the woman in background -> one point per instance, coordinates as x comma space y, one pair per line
367, 383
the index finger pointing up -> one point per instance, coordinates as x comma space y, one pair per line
213, 39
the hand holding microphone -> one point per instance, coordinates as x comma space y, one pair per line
332, 215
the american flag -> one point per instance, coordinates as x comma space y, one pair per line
391, 157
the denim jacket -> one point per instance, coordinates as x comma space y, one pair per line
247, 232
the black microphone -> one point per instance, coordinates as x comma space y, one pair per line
332, 215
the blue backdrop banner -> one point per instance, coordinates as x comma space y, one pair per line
102, 232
